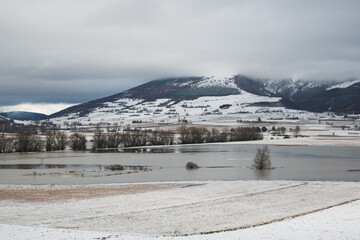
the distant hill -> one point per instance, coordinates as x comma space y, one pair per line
22, 116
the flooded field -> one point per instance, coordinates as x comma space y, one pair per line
216, 162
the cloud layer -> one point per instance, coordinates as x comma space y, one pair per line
44, 108
75, 51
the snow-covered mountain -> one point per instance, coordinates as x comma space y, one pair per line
205, 98
314, 96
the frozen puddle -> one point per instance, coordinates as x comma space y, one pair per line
175, 209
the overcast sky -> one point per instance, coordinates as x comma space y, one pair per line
70, 51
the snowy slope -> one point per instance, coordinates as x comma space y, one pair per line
131, 109
344, 84
207, 98
127, 110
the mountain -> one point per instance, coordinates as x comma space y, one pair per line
18, 115
176, 89
196, 98
306, 95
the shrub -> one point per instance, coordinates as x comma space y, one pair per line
191, 165
77, 142
115, 168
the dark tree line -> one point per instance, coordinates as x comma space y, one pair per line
21, 142
245, 134
7, 144
132, 138
29, 142
203, 135
77, 142
54, 141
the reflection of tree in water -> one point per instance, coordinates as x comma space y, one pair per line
33, 166
55, 166
261, 174
147, 150
20, 166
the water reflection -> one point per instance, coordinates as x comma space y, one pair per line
170, 149
216, 162
111, 167
262, 174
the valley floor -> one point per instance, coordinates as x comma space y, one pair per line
182, 210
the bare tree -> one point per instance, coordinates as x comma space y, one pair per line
28, 142
185, 135
50, 141
166, 137
214, 135
7, 144
223, 137
114, 140
55, 141
282, 130
297, 131
262, 158
61, 140
100, 140
77, 142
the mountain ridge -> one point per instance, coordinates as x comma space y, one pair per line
168, 93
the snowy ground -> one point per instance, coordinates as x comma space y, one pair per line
276, 209
341, 222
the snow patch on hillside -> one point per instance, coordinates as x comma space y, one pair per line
344, 84
217, 82
290, 86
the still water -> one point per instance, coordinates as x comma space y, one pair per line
216, 162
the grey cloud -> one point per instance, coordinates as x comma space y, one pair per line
75, 51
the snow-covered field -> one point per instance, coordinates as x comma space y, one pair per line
251, 209
341, 222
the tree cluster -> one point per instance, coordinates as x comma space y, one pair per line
7, 144
28, 142
203, 135
55, 141
245, 134
132, 138
77, 142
